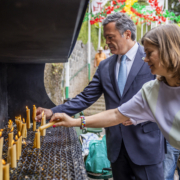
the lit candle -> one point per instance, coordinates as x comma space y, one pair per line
37, 139
47, 125
1, 144
13, 155
10, 124
17, 122
10, 137
43, 122
9, 155
33, 117
28, 118
20, 126
5, 171
1, 169
17, 147
20, 143
26, 133
23, 129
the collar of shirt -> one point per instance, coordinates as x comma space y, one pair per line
129, 60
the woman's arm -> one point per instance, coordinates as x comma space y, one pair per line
104, 119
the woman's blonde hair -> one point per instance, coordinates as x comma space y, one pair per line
167, 40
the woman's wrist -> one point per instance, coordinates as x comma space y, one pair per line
77, 122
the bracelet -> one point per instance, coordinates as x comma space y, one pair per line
83, 123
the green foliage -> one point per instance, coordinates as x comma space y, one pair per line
83, 35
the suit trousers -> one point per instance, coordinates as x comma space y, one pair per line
124, 169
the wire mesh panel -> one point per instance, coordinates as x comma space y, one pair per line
58, 158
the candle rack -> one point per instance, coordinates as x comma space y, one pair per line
58, 158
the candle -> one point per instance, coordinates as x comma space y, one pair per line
17, 147
1, 144
20, 143
26, 133
47, 125
13, 156
37, 139
17, 123
20, 126
28, 118
10, 137
10, 124
24, 130
1, 169
43, 122
6, 172
33, 117
9, 155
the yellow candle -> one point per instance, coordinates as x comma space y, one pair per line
17, 147
28, 118
20, 143
37, 134
33, 117
47, 125
34, 141
17, 123
10, 138
43, 122
20, 126
1, 169
26, 133
23, 130
6, 172
9, 155
1, 144
10, 124
13, 156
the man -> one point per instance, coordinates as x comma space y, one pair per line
135, 152
100, 56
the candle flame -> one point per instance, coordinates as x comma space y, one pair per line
1, 130
16, 137
10, 122
0, 134
34, 105
19, 133
26, 107
43, 113
24, 142
23, 120
12, 129
12, 142
20, 117
3, 162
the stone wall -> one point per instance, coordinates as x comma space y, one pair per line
54, 74
79, 69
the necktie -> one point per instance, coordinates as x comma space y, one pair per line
122, 74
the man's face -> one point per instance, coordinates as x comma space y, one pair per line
100, 51
116, 43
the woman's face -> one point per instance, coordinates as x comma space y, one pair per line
105, 47
153, 60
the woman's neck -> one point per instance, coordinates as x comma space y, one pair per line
173, 82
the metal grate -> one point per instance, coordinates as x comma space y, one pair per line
58, 158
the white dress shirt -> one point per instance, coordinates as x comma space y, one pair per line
130, 56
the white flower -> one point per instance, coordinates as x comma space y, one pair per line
143, 58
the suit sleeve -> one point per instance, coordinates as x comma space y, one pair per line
83, 100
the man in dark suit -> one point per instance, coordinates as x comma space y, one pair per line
135, 152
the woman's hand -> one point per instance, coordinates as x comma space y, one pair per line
64, 120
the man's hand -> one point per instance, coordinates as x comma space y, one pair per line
39, 111
65, 120
127, 123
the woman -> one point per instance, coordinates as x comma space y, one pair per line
158, 100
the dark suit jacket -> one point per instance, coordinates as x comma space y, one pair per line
144, 142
